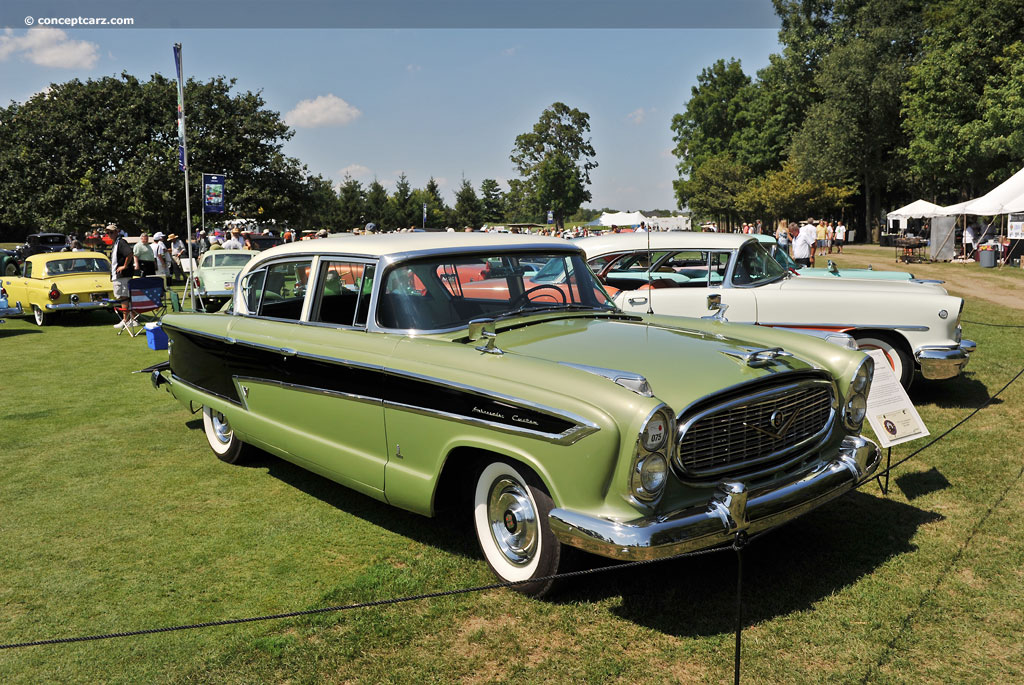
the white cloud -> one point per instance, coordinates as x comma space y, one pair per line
325, 110
356, 171
47, 47
441, 181
413, 68
510, 51
637, 116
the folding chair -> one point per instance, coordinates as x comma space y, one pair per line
145, 295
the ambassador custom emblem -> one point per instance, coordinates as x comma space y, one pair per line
779, 421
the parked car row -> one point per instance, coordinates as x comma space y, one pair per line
60, 282
494, 377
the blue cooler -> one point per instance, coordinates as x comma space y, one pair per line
155, 337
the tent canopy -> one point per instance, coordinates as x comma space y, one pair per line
622, 219
918, 209
994, 200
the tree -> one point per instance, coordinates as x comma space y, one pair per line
492, 201
556, 157
715, 187
786, 194
322, 208
468, 209
404, 211
437, 210
352, 203
377, 209
106, 150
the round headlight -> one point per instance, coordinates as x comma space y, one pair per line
655, 432
862, 378
856, 410
649, 475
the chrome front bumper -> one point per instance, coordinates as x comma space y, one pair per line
730, 510
940, 363
81, 306
16, 310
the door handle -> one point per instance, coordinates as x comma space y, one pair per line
638, 300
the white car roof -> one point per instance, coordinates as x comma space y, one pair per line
671, 240
402, 243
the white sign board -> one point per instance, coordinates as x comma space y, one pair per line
890, 412
1015, 227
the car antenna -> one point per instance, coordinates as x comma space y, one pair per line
650, 269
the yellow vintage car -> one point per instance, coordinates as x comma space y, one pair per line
61, 282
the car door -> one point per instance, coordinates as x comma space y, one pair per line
704, 275
18, 286
317, 395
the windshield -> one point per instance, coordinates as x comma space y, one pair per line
222, 261
446, 292
79, 265
754, 266
784, 260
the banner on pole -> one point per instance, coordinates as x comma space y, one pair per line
213, 193
182, 159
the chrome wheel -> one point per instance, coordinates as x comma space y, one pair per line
221, 437
510, 516
221, 428
40, 317
513, 521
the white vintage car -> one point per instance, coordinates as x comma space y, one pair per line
916, 325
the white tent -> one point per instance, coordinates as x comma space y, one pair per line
622, 219
917, 209
1014, 205
994, 201
954, 210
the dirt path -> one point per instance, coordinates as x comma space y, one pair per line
1004, 287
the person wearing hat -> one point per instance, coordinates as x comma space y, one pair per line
160, 254
235, 243
322, 233
123, 267
175, 248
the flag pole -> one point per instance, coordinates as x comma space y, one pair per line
183, 163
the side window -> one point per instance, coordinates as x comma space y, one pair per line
719, 265
284, 290
28, 269
343, 295
252, 290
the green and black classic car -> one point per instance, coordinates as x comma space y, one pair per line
495, 371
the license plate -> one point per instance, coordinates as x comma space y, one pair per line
96, 297
229, 285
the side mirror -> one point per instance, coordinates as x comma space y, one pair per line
483, 328
832, 267
715, 305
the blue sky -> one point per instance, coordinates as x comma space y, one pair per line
444, 102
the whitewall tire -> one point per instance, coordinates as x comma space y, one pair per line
901, 363
510, 517
223, 441
41, 318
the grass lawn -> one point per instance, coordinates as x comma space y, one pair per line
115, 515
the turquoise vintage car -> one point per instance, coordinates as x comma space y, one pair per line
832, 270
387, 364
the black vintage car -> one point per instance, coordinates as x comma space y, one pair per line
37, 243
9, 263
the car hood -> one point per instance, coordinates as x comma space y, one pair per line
852, 285
869, 274
680, 364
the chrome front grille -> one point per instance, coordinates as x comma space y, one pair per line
754, 430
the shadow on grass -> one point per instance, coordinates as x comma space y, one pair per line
453, 536
11, 332
915, 485
962, 392
787, 571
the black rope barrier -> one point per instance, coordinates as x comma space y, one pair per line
360, 605
740, 541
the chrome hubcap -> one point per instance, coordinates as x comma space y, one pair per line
513, 521
221, 427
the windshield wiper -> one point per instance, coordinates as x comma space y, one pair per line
533, 307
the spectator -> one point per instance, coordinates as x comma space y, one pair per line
176, 248
970, 237
76, 246
830, 236
803, 243
782, 237
215, 244
840, 236
123, 266
160, 253
819, 232
144, 253
248, 244
235, 243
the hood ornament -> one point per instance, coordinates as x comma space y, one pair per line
757, 357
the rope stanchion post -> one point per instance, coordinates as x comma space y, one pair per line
738, 544
888, 465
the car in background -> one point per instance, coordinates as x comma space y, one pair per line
262, 242
5, 307
61, 282
510, 402
9, 263
41, 243
832, 270
916, 325
215, 278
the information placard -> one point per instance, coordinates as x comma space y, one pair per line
890, 412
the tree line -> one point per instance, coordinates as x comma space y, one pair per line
870, 104
85, 153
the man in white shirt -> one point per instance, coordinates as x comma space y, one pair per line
970, 237
840, 236
160, 254
803, 244
236, 242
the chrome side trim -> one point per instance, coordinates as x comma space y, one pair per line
83, 305
179, 379
879, 326
251, 380
569, 437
